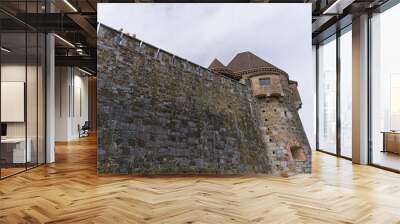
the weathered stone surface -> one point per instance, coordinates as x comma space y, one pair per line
164, 118
160, 114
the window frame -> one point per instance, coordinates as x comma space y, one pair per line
267, 81
334, 37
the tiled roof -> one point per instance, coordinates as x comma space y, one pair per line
247, 60
216, 64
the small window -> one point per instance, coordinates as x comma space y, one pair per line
264, 81
296, 153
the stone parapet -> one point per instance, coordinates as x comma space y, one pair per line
166, 58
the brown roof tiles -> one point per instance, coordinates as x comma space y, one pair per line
216, 64
247, 60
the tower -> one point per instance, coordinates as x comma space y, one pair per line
278, 102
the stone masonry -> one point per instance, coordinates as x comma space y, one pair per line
278, 101
161, 114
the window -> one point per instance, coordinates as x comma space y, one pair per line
296, 153
327, 96
385, 89
264, 81
335, 95
346, 94
22, 101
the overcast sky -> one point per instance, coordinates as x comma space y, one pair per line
278, 33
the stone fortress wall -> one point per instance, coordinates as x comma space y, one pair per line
161, 114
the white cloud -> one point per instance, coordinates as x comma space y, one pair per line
278, 33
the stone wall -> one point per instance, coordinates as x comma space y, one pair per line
283, 132
159, 114
295, 94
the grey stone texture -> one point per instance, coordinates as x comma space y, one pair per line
282, 129
159, 114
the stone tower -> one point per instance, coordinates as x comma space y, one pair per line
278, 102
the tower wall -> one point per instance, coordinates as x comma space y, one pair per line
287, 144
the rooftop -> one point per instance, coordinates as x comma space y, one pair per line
216, 64
247, 60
